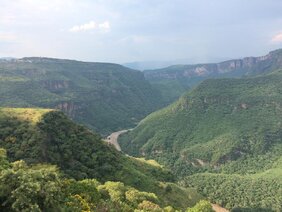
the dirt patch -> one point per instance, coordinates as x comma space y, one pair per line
218, 208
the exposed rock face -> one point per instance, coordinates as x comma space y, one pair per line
55, 84
245, 66
68, 107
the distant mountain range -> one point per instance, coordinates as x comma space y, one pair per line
246, 66
172, 81
149, 65
103, 96
107, 97
7, 58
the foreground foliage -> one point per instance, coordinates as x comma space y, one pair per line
80, 154
42, 188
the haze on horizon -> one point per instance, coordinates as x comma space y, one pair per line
139, 30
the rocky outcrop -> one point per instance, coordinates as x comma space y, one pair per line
68, 107
245, 66
54, 85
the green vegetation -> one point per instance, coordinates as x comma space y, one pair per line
259, 192
42, 188
30, 189
104, 97
249, 192
172, 89
202, 206
81, 156
174, 80
222, 140
31, 115
221, 128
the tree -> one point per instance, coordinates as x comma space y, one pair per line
201, 206
4, 164
147, 206
37, 188
135, 197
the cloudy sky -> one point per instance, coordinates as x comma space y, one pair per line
139, 30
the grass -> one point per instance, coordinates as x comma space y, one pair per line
149, 162
32, 115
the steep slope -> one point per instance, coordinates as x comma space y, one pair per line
174, 80
253, 192
44, 136
105, 97
230, 126
243, 115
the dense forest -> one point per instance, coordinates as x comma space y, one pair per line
140, 106
227, 129
252, 192
49, 163
107, 97
104, 97
42, 187
219, 142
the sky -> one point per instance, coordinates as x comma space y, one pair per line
139, 30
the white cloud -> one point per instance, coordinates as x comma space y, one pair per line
84, 27
277, 38
105, 26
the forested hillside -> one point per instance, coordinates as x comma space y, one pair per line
33, 138
43, 188
228, 127
103, 96
140, 106
174, 80
250, 192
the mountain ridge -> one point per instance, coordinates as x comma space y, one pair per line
215, 68
174, 80
105, 97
